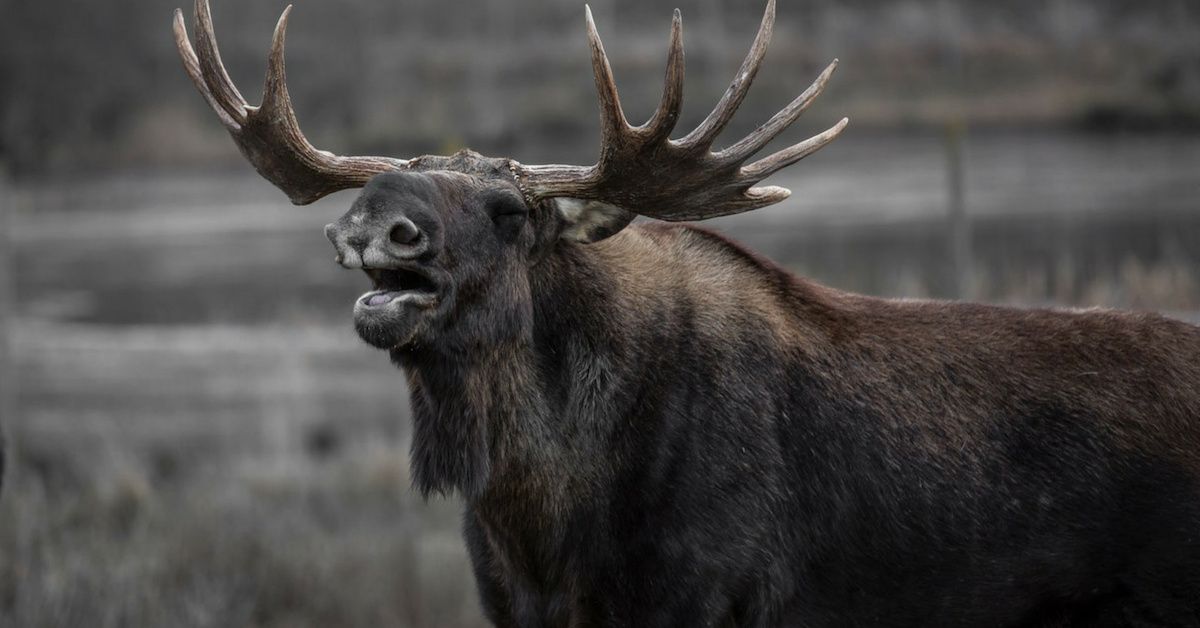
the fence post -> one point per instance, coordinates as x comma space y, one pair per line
958, 226
8, 391
957, 222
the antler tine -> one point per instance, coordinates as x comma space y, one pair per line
702, 137
277, 103
275, 92
660, 125
215, 76
779, 122
191, 65
769, 165
612, 119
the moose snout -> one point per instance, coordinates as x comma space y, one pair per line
362, 245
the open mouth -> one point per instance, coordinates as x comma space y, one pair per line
395, 285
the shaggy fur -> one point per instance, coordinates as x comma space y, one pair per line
663, 429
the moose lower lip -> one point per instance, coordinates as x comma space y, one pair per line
381, 298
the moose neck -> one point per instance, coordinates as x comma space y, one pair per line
506, 416
590, 348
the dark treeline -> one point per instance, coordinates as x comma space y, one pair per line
91, 85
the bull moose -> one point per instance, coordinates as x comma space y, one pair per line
650, 425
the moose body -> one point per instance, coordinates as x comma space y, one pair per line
679, 433
651, 426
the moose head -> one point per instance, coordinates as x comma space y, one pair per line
446, 239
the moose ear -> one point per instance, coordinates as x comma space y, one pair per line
590, 221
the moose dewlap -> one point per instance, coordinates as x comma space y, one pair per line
652, 426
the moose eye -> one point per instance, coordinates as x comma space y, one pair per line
505, 208
504, 203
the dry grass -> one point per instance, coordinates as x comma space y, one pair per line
149, 491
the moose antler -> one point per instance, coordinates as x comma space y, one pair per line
268, 134
643, 171
640, 170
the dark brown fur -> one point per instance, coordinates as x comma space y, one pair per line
663, 429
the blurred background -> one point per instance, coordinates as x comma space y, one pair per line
196, 436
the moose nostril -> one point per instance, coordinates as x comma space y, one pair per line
404, 232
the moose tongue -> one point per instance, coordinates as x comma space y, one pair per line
381, 298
